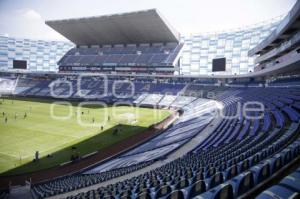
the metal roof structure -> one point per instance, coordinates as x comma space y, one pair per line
146, 26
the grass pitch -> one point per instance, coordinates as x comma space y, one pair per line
28, 125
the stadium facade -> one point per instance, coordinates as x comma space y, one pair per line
200, 49
196, 57
40, 55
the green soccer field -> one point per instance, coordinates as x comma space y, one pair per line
28, 125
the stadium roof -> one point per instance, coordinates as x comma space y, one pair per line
146, 26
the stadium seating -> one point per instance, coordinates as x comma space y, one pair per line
240, 153
119, 55
92, 88
286, 82
288, 187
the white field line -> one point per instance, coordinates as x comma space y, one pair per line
41, 152
16, 157
72, 136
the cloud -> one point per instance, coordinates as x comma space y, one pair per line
32, 14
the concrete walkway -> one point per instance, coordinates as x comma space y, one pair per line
176, 154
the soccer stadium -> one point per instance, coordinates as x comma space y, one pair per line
128, 107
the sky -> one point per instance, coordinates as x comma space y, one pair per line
26, 18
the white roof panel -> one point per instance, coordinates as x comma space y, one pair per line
128, 28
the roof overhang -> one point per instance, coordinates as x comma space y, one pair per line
128, 28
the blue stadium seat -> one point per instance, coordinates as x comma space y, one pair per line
261, 172
182, 184
223, 191
242, 183
231, 172
276, 163
278, 192
215, 180
143, 195
291, 182
196, 189
243, 166
163, 191
177, 194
